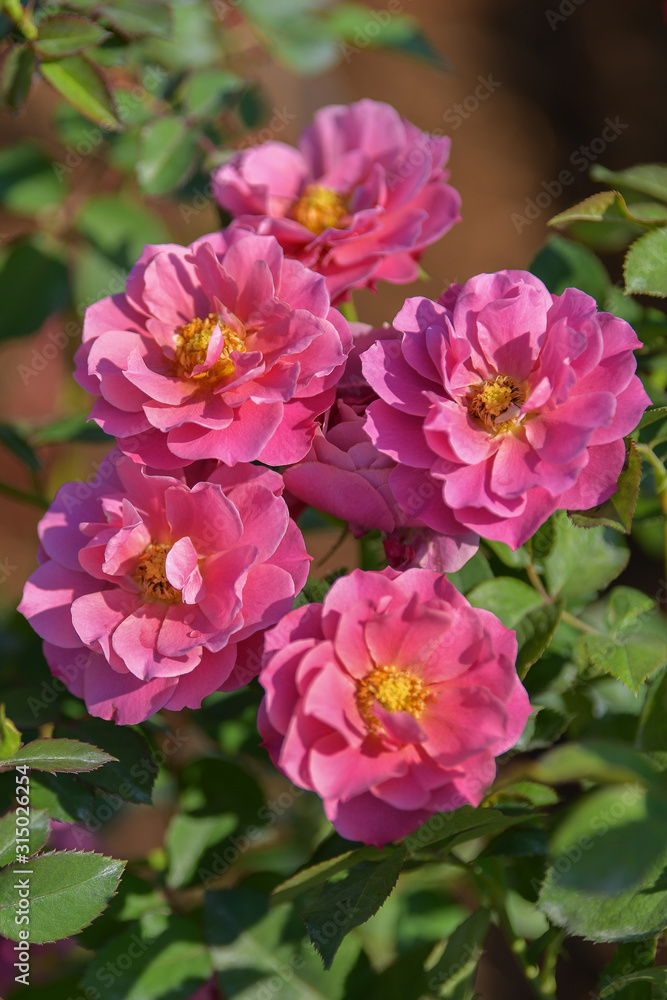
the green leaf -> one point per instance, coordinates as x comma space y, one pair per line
514, 559
16, 443
186, 840
475, 571
618, 511
457, 966
73, 428
506, 597
581, 561
627, 650
38, 833
316, 875
563, 264
120, 226
174, 964
651, 415
645, 267
18, 67
131, 771
628, 959
595, 760
167, 156
657, 977
64, 797
23, 268
138, 18
65, 34
58, 755
67, 891
652, 735
28, 183
646, 178
10, 737
520, 607
605, 206
353, 900
254, 948
448, 830
607, 855
206, 91
81, 83
534, 633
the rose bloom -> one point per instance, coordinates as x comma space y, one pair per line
503, 403
344, 474
222, 350
359, 200
150, 593
390, 700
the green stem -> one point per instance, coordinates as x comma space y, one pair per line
17, 494
660, 476
349, 311
15, 11
534, 578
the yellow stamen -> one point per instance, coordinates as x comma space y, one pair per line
489, 401
395, 689
320, 207
192, 342
151, 577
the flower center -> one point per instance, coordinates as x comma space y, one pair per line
396, 690
319, 208
192, 342
491, 402
151, 576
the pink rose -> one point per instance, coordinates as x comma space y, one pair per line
390, 700
359, 200
502, 404
223, 350
150, 593
344, 474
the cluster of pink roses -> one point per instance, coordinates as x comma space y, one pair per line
477, 415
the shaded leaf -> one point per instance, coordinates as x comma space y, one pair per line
607, 856
564, 264
64, 797
16, 443
18, 66
534, 632
618, 511
645, 267
457, 966
132, 773
73, 428
138, 18
83, 85
353, 900
28, 183
646, 178
67, 890
315, 875
186, 840
173, 964
65, 34
167, 156
581, 561
23, 268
